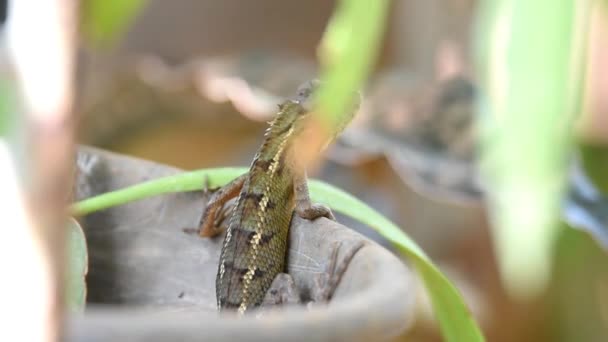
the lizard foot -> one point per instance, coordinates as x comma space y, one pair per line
315, 211
220, 222
282, 291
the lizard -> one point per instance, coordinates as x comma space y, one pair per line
254, 250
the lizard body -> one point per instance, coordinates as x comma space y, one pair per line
255, 247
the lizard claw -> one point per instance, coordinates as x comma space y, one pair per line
315, 211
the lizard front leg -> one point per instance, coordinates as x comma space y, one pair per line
208, 227
304, 207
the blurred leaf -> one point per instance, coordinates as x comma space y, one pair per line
586, 207
8, 107
579, 289
105, 20
527, 52
347, 54
595, 163
455, 320
77, 266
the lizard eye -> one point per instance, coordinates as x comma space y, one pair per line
304, 94
306, 89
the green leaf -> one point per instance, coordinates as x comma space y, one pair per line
454, 318
580, 263
104, 20
76, 289
595, 162
8, 107
347, 54
530, 67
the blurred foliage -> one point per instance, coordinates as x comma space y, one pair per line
104, 20
347, 54
8, 107
579, 290
531, 73
76, 288
585, 207
595, 162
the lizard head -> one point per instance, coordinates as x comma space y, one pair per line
296, 125
325, 133
305, 97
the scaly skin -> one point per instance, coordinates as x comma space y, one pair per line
255, 246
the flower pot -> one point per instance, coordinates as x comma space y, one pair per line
148, 280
